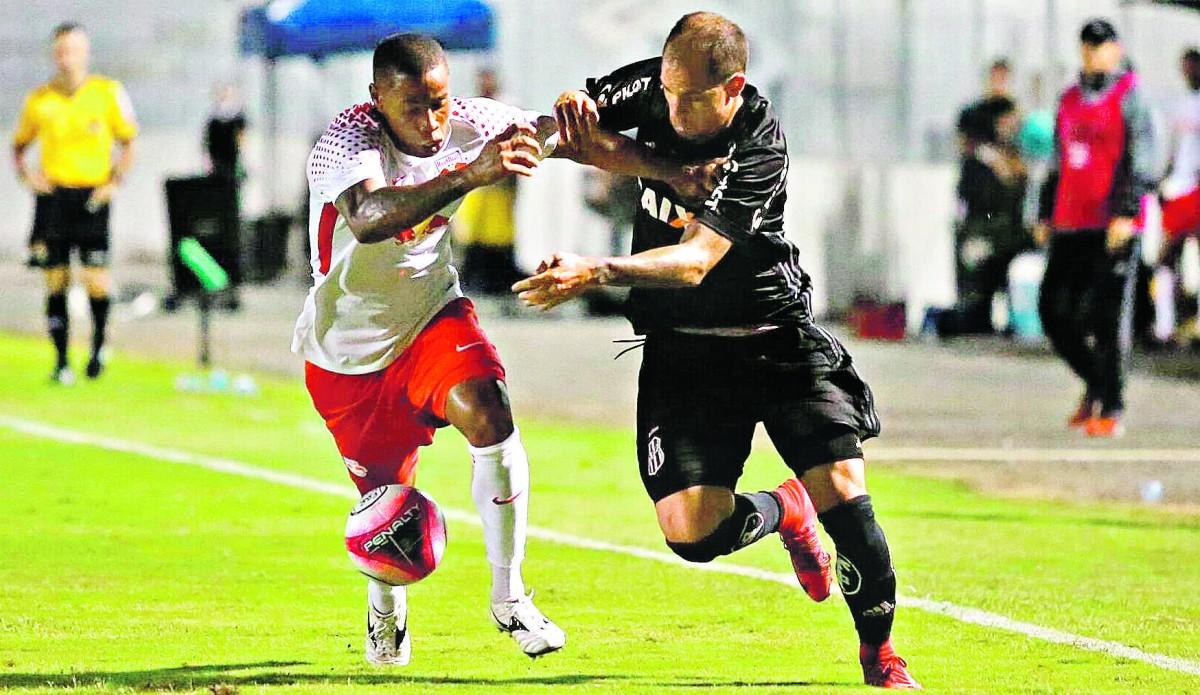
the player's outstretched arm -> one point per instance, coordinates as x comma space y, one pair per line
584, 140
376, 212
563, 277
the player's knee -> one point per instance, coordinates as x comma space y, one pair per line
694, 537
479, 409
97, 283
705, 549
57, 280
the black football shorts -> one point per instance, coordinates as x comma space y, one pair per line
700, 398
63, 222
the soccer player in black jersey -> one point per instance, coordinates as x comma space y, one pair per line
730, 340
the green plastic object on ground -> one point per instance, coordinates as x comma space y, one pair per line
210, 273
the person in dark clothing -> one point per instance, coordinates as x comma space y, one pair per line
977, 120
1103, 165
991, 189
223, 135
718, 291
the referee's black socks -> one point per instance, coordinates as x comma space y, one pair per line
754, 516
99, 322
57, 323
864, 568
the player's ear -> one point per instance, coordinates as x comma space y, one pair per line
734, 85
374, 94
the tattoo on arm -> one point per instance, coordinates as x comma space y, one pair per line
376, 212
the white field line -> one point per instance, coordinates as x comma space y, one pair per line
964, 614
1002, 455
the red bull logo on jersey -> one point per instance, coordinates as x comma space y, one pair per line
422, 230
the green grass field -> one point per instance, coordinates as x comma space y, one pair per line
122, 572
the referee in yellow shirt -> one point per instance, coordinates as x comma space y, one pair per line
76, 118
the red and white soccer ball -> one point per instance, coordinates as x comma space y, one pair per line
396, 534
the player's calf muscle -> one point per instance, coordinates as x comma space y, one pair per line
690, 515
831, 484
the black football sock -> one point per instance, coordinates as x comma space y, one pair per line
864, 568
99, 322
58, 325
754, 515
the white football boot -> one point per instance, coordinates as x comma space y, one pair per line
388, 643
531, 630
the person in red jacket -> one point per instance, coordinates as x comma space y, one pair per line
1103, 165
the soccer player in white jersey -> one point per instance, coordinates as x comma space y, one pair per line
393, 348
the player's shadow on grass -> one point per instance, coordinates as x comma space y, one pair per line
1031, 517
701, 684
218, 675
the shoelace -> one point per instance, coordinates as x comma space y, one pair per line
813, 559
886, 667
379, 630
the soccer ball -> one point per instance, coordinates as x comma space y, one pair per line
396, 534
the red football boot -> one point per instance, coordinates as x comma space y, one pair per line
1085, 411
798, 529
1108, 426
883, 668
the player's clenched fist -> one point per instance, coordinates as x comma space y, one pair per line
515, 151
696, 181
576, 114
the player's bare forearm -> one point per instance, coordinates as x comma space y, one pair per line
685, 264
18, 152
32, 179
127, 153
621, 154
547, 136
376, 213
563, 277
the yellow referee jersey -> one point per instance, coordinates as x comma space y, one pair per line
76, 131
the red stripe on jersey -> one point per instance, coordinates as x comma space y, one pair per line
329, 215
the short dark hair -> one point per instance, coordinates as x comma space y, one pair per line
1192, 55
66, 28
1000, 64
722, 39
1098, 31
408, 54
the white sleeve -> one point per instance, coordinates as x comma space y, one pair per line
490, 117
345, 155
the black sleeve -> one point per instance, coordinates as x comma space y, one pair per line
745, 193
1137, 174
621, 97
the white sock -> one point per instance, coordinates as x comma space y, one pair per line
1164, 304
501, 473
386, 599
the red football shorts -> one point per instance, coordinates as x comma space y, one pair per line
1181, 216
379, 420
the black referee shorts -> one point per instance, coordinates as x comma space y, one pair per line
62, 222
700, 398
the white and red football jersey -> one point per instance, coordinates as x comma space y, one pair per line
369, 301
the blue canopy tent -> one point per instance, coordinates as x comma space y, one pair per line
314, 29
318, 28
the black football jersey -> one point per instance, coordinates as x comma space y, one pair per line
759, 280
